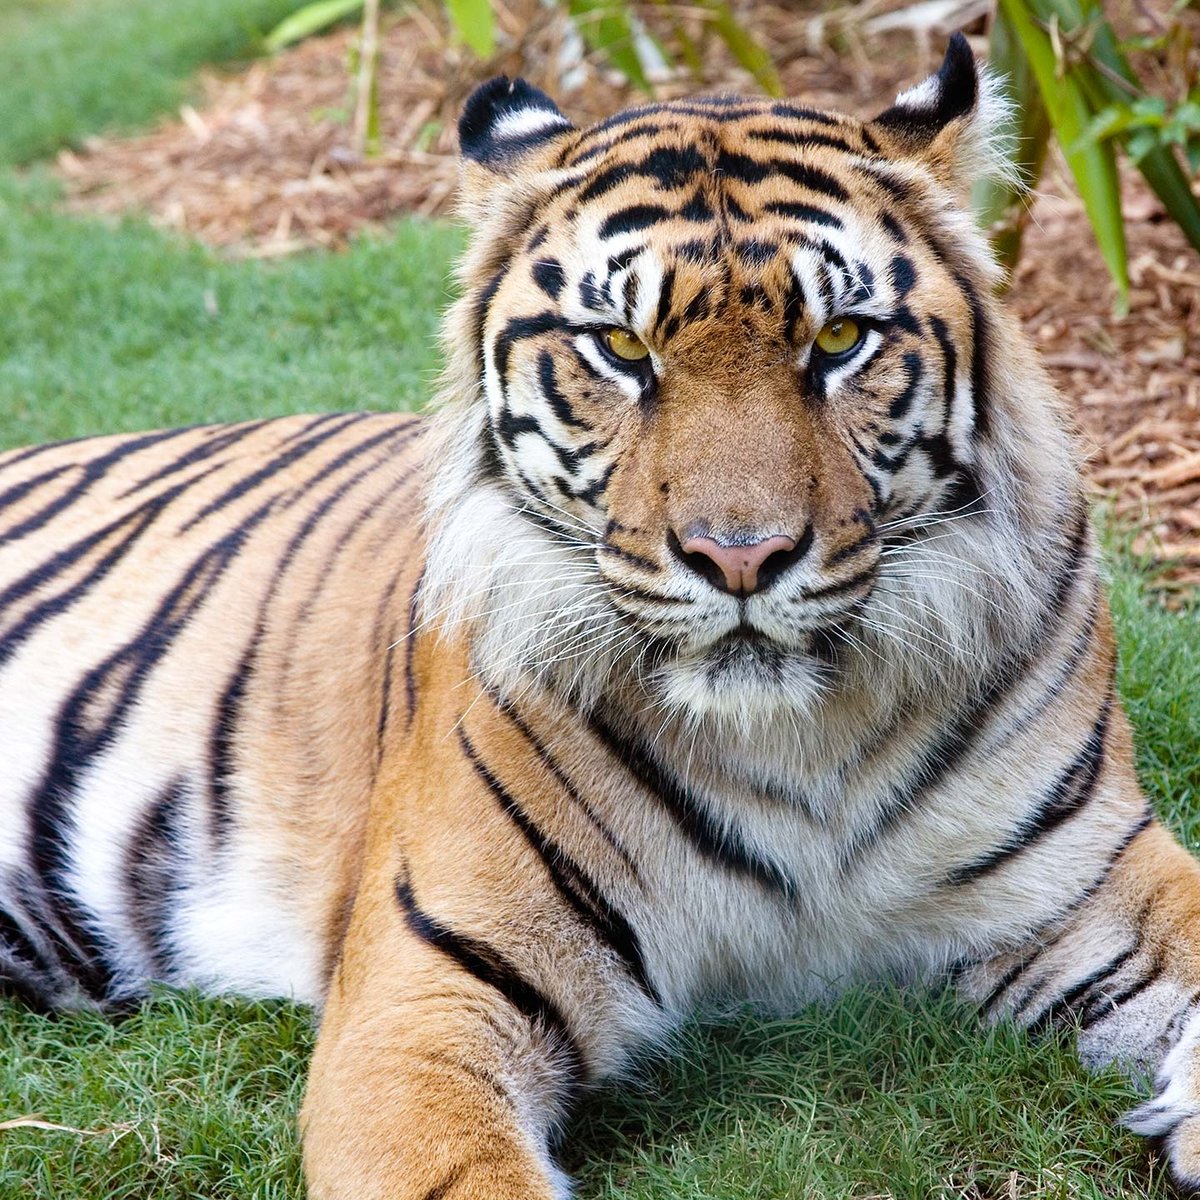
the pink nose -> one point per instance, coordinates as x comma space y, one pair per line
739, 566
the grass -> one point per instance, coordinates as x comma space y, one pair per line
120, 328
75, 67
883, 1094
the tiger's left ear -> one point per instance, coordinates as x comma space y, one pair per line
509, 133
952, 122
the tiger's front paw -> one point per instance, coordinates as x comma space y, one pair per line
1172, 1115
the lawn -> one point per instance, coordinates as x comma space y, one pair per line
883, 1094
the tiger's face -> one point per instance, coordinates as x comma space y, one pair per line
725, 351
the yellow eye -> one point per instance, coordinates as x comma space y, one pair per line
839, 336
625, 345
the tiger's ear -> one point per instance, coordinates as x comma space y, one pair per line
508, 133
951, 122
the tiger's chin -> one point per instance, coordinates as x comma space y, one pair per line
744, 679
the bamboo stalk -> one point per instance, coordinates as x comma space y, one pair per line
365, 130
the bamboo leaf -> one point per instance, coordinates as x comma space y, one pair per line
476, 22
1111, 84
1092, 164
744, 47
1002, 204
309, 19
605, 26
1162, 172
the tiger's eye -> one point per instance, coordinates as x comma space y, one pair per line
839, 336
625, 345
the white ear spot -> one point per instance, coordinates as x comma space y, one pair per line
527, 122
925, 94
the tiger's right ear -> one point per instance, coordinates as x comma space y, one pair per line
508, 132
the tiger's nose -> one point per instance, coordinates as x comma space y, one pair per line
742, 569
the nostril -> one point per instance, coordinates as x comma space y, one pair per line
741, 568
783, 559
698, 560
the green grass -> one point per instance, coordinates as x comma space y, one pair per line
74, 67
112, 329
881, 1095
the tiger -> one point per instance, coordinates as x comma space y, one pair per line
733, 631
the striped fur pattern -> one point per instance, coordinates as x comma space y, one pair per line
440, 724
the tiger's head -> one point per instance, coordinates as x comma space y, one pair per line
734, 412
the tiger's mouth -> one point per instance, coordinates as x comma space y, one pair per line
746, 673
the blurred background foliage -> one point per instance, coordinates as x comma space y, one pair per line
1070, 77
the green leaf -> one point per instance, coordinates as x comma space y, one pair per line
476, 22
1001, 204
1093, 164
1162, 172
1106, 124
606, 27
744, 47
306, 21
1145, 147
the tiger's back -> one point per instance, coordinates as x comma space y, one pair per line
174, 805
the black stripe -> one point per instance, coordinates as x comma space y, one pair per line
516, 330
902, 402
221, 438
490, 967
481, 308
548, 274
1064, 1005
92, 471
1070, 793
629, 556
949, 750
801, 140
800, 112
665, 299
667, 167
900, 190
294, 453
575, 886
839, 588
809, 213
135, 523
18, 491
551, 764
152, 877
560, 406
410, 675
221, 762
649, 129
1104, 1006
16, 944
980, 333
632, 218
720, 845
745, 169
993, 997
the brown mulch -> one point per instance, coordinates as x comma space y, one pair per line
262, 167
1135, 381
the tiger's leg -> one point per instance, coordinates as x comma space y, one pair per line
439, 1073
1125, 967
